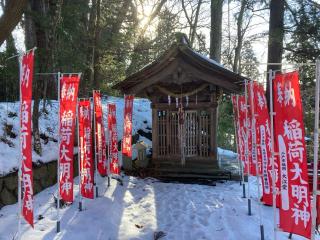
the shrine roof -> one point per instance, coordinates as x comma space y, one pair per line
181, 61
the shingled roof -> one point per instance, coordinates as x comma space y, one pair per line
181, 58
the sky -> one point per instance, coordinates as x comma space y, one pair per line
259, 24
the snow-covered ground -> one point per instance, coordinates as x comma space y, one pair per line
9, 114
142, 207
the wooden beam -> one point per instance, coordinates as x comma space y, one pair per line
213, 135
150, 80
213, 79
154, 133
192, 105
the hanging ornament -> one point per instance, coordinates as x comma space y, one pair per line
169, 100
177, 102
187, 101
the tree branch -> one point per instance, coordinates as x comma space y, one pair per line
11, 17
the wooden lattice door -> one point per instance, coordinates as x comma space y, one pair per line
191, 133
193, 137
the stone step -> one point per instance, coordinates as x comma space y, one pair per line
187, 165
193, 176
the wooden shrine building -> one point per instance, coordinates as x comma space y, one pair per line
183, 87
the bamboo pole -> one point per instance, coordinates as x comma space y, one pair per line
254, 155
274, 193
58, 161
20, 160
96, 143
316, 152
79, 158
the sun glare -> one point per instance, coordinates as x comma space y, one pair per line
144, 14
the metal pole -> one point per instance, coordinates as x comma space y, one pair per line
95, 145
58, 161
20, 160
247, 147
79, 159
254, 156
315, 154
274, 192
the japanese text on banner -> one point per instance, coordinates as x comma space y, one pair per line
68, 100
295, 215
85, 150
26, 74
127, 126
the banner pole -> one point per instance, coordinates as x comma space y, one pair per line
241, 165
20, 159
109, 147
315, 154
58, 161
95, 144
79, 158
123, 132
254, 154
247, 146
235, 123
274, 193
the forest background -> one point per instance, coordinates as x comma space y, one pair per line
108, 40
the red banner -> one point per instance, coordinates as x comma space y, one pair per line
295, 215
68, 102
252, 131
100, 139
263, 139
240, 146
243, 122
113, 139
127, 126
85, 149
26, 74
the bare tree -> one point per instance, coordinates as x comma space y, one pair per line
12, 14
193, 18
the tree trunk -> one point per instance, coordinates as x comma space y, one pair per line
240, 35
215, 54
96, 52
43, 36
276, 34
216, 30
11, 17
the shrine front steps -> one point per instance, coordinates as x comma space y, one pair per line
199, 171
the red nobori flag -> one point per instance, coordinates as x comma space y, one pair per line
243, 121
68, 103
240, 146
113, 139
252, 133
263, 138
127, 126
85, 150
100, 141
295, 215
26, 74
